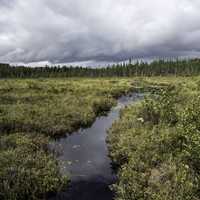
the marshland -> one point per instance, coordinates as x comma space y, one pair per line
99, 100
121, 138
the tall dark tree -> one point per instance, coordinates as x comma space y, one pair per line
155, 68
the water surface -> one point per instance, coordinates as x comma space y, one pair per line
84, 157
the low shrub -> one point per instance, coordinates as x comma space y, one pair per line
27, 169
156, 147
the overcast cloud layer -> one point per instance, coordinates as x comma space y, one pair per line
60, 31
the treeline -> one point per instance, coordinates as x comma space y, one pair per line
155, 68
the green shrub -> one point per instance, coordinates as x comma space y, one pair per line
161, 108
27, 170
156, 147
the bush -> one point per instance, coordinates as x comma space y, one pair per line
161, 108
156, 146
27, 170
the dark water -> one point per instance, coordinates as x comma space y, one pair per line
85, 158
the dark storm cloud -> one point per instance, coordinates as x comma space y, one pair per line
107, 30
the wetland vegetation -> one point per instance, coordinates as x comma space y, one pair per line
154, 146
32, 112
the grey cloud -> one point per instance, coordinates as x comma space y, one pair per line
106, 30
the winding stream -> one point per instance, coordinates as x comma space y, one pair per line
85, 157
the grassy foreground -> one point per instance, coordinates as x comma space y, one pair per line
156, 144
32, 111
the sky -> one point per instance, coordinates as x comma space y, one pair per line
97, 31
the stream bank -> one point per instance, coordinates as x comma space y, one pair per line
84, 157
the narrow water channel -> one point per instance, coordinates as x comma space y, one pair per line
84, 157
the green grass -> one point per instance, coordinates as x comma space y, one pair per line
156, 144
55, 106
32, 111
